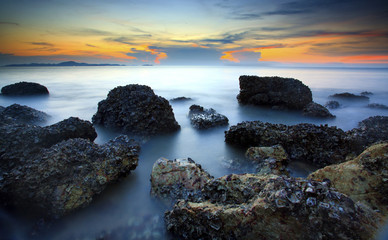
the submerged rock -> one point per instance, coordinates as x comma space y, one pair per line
366, 93
332, 104
67, 176
16, 114
271, 160
270, 207
378, 106
206, 118
180, 99
24, 88
136, 109
364, 178
350, 96
274, 91
177, 179
316, 110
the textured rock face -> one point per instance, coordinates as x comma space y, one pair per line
206, 118
350, 96
364, 178
68, 175
24, 88
321, 145
22, 114
332, 104
378, 106
316, 110
274, 91
270, 207
136, 109
177, 179
271, 160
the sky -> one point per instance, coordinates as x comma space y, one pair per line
201, 32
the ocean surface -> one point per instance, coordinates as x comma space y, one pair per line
126, 208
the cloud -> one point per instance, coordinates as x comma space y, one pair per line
226, 38
246, 54
123, 40
148, 54
10, 23
89, 32
90, 45
42, 44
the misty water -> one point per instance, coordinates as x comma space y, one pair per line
76, 91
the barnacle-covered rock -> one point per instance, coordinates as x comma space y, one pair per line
177, 179
271, 207
24, 88
314, 109
16, 113
364, 178
67, 176
136, 109
206, 118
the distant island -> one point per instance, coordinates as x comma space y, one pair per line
62, 64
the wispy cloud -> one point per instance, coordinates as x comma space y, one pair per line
42, 44
10, 23
89, 32
90, 45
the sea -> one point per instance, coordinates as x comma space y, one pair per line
125, 210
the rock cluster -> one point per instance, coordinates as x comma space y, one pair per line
24, 88
332, 104
350, 96
206, 118
22, 114
136, 109
378, 106
316, 110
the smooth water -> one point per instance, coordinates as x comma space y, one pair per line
76, 91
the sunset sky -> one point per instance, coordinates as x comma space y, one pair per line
192, 32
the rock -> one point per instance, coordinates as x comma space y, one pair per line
364, 178
332, 104
68, 175
316, 110
177, 179
1, 109
206, 118
18, 114
350, 96
271, 207
24, 88
136, 109
274, 91
378, 106
180, 99
321, 145
366, 93
271, 160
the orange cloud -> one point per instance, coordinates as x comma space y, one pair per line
228, 55
366, 59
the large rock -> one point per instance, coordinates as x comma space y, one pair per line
274, 91
321, 145
364, 178
24, 88
177, 179
350, 96
136, 109
206, 118
271, 207
22, 114
68, 175
316, 110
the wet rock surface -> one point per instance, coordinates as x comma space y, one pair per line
378, 106
136, 109
364, 178
67, 175
177, 179
252, 206
24, 88
316, 110
202, 118
22, 114
274, 91
350, 96
332, 104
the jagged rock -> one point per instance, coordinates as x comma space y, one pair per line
332, 104
321, 145
270, 207
274, 91
68, 175
366, 93
1, 109
177, 179
364, 178
24, 88
378, 106
16, 113
271, 160
206, 118
180, 99
316, 110
136, 109
350, 96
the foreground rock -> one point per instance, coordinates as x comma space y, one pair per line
350, 96
22, 114
177, 179
271, 207
24, 89
206, 118
274, 91
68, 175
136, 109
364, 178
316, 110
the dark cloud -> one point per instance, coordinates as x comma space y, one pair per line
10, 23
225, 38
42, 44
124, 40
89, 32
90, 45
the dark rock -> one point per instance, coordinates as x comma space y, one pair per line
18, 114
136, 109
366, 93
68, 175
180, 99
350, 96
1, 109
316, 110
332, 104
206, 118
270, 207
24, 88
274, 91
378, 106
